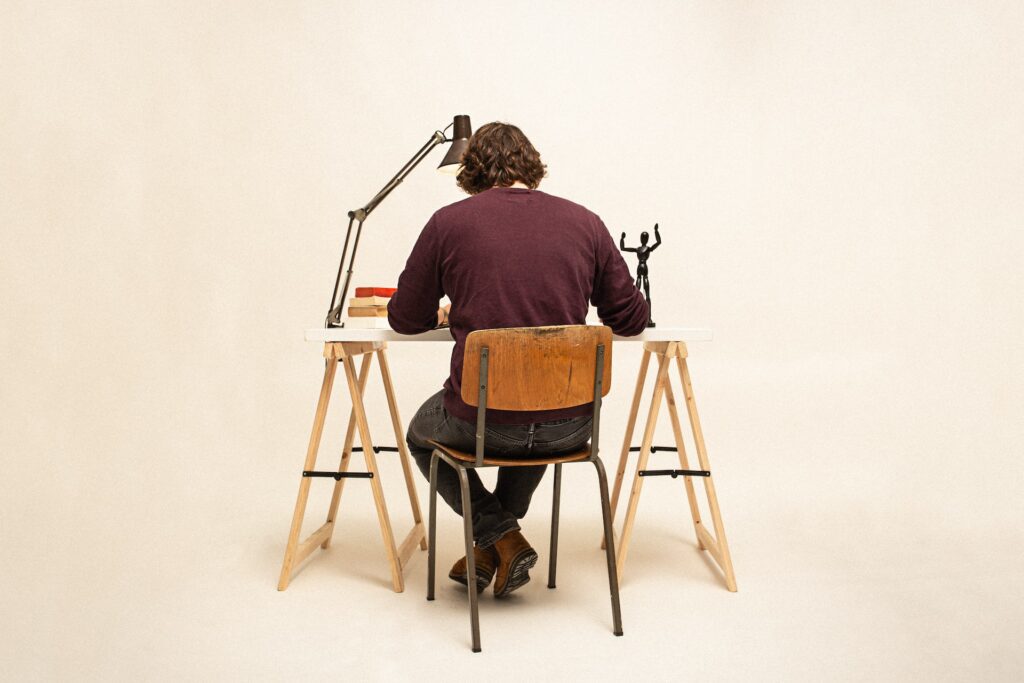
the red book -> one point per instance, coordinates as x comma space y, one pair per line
375, 291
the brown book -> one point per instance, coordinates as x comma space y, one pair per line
368, 312
369, 301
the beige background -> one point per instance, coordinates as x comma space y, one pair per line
839, 187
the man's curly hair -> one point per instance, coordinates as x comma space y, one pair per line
497, 156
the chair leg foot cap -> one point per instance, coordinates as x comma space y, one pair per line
476, 649
618, 633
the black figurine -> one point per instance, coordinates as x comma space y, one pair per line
643, 252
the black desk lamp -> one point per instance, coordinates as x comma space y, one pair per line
450, 163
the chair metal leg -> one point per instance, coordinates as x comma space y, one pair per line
553, 552
467, 527
432, 531
613, 574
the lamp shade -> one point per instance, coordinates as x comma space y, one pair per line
462, 130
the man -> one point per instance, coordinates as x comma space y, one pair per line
508, 256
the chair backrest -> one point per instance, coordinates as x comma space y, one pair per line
537, 368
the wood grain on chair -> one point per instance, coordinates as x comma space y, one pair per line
526, 366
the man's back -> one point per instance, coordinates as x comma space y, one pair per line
508, 256
514, 257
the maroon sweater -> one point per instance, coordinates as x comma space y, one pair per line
512, 257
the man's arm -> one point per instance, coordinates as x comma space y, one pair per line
620, 305
414, 306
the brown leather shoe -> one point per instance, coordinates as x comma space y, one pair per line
515, 559
485, 559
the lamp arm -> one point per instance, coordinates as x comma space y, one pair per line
334, 312
338, 304
436, 139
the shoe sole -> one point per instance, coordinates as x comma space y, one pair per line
519, 572
482, 582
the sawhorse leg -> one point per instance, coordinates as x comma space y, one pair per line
346, 452
403, 453
295, 552
620, 471
716, 545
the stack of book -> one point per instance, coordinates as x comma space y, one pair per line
369, 308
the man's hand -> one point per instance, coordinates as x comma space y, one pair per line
442, 315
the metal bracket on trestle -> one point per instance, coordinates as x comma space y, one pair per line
669, 473
340, 475
675, 473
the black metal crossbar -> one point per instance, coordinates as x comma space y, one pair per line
675, 473
655, 449
339, 475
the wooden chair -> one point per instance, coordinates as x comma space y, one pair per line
529, 368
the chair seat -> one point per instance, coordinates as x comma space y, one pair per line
577, 456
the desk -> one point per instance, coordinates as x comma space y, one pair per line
344, 345
342, 334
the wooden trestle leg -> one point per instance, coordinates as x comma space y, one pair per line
716, 544
295, 552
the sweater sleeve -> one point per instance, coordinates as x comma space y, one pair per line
620, 305
413, 307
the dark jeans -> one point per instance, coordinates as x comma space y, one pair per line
497, 513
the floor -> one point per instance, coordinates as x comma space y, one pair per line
836, 595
